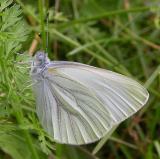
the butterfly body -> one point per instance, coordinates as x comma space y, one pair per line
78, 104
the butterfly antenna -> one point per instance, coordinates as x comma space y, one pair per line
47, 33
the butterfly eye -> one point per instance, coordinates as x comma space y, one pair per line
41, 57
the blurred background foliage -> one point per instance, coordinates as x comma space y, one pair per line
119, 35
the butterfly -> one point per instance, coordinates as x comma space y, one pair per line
79, 104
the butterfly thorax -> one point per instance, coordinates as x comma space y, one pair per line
39, 63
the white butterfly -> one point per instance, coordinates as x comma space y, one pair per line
79, 104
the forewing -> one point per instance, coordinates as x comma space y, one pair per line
79, 104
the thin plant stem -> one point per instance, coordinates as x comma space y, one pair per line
40, 4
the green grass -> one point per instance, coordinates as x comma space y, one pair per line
122, 36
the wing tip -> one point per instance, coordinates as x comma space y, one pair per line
147, 96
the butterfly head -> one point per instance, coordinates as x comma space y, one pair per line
40, 59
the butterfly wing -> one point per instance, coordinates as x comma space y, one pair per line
79, 104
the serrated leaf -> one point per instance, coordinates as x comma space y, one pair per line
10, 17
13, 29
4, 4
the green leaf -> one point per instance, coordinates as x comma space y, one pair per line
13, 29
4, 4
14, 146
